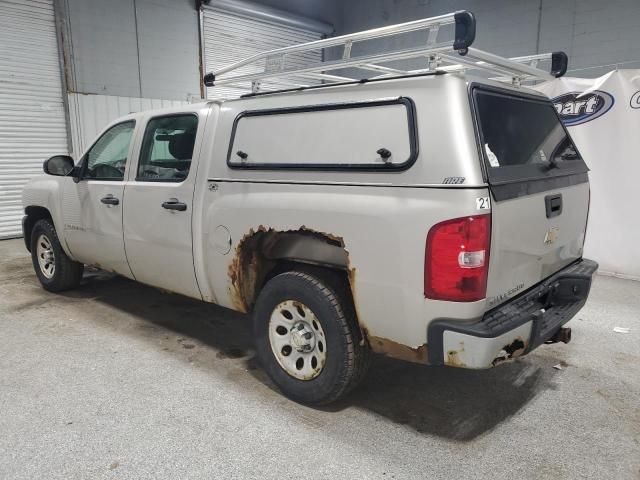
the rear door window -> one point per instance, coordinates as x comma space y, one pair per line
167, 148
522, 139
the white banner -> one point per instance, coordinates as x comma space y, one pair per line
603, 117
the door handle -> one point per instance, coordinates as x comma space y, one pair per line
553, 205
174, 204
110, 200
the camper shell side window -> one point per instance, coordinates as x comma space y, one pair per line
371, 135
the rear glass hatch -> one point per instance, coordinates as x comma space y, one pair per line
539, 186
524, 142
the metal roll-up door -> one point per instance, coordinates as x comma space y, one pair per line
228, 37
32, 116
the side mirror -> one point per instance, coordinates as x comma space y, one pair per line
59, 165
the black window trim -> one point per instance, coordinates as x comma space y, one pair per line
368, 167
84, 161
165, 180
522, 186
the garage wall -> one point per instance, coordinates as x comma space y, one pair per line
32, 114
90, 114
133, 48
147, 48
323, 10
230, 34
591, 32
127, 55
124, 56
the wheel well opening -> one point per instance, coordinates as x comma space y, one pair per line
265, 253
33, 213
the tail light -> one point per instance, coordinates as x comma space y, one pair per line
457, 259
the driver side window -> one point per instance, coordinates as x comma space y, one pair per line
107, 158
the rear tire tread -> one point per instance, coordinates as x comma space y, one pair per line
356, 359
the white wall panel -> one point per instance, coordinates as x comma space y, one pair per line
32, 117
169, 49
141, 48
89, 114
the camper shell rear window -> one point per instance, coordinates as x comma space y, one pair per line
522, 138
371, 135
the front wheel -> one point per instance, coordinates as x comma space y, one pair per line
307, 340
55, 270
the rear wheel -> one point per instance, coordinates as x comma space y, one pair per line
307, 340
55, 270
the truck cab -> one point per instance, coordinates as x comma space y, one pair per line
149, 159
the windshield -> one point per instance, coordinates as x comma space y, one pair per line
523, 138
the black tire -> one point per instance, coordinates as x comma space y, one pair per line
347, 357
66, 274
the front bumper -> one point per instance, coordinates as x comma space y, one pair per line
513, 328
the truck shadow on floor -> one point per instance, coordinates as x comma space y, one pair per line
452, 403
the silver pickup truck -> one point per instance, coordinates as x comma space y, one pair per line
432, 216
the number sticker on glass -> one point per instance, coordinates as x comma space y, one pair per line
482, 203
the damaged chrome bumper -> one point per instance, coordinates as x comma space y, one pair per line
516, 327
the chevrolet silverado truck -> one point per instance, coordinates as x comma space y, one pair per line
432, 216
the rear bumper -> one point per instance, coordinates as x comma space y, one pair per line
513, 328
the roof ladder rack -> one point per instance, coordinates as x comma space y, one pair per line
286, 66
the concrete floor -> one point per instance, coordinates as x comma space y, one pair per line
119, 380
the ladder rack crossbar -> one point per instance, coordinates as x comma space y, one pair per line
381, 32
336, 64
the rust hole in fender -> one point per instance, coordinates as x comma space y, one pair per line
512, 350
389, 348
243, 270
259, 251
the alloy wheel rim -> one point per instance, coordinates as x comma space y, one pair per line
297, 340
46, 256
